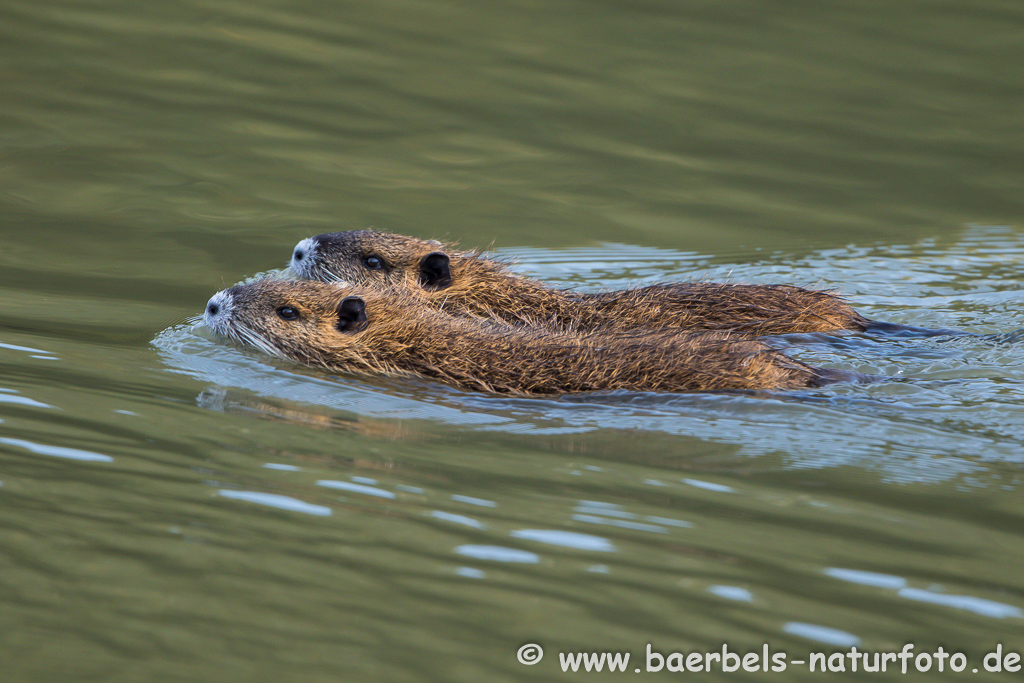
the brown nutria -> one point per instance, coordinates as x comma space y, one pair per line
467, 283
370, 331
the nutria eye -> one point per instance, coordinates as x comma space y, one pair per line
288, 313
373, 262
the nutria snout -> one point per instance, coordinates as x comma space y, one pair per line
390, 332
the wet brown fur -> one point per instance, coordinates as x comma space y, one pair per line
486, 288
399, 335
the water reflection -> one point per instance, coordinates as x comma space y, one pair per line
988, 608
566, 539
56, 451
497, 553
11, 397
822, 634
277, 501
456, 519
356, 488
732, 593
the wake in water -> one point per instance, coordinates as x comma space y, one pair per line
950, 408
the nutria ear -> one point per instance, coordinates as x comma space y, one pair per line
434, 271
351, 314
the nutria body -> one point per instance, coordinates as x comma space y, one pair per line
372, 331
467, 283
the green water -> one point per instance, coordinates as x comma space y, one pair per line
176, 508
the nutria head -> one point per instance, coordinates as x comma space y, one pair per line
458, 282
304, 321
371, 258
383, 331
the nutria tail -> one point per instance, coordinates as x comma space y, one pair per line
825, 376
910, 331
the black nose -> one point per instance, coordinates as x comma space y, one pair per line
212, 309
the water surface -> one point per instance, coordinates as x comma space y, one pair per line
177, 508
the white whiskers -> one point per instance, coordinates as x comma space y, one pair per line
248, 336
333, 278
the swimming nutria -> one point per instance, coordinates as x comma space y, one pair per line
466, 282
368, 331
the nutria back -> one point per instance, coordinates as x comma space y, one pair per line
468, 283
374, 331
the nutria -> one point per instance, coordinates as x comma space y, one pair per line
372, 331
467, 283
